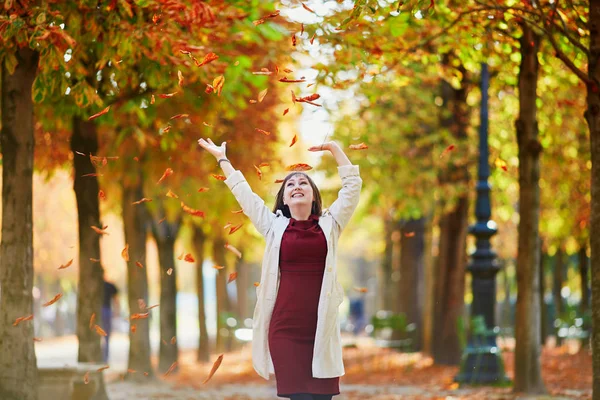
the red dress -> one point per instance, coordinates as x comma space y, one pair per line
294, 320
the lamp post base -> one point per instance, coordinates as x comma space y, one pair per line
482, 366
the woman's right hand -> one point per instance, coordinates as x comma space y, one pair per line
217, 151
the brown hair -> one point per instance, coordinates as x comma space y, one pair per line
317, 205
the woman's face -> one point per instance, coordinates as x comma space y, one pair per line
298, 192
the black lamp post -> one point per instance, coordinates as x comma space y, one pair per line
481, 361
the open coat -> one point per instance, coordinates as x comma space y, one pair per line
327, 360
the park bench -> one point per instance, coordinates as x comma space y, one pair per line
67, 381
393, 331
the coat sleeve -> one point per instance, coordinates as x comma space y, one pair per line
253, 206
343, 207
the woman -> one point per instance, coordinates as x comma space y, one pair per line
296, 313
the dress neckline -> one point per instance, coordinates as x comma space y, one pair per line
311, 218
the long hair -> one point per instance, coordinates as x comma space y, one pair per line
317, 205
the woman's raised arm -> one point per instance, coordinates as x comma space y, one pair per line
253, 206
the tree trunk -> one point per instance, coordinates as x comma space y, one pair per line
165, 234
450, 276
429, 279
135, 218
528, 376
557, 284
450, 285
18, 365
203, 344
411, 283
583, 276
223, 303
543, 307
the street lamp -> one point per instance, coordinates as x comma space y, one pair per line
481, 361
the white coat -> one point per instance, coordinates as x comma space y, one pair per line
327, 360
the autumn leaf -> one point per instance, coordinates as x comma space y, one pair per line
262, 131
210, 57
173, 340
139, 316
233, 250
37, 339
294, 140
214, 368
189, 258
99, 114
232, 277
191, 211
262, 20
143, 200
167, 95
447, 150
177, 116
218, 177
180, 256
360, 146
294, 40
252, 101
298, 167
102, 368
262, 95
54, 300
218, 267
258, 172
67, 265
100, 331
205, 124
125, 253
94, 259
152, 99
99, 231
21, 319
179, 78
218, 84
286, 80
301, 29
256, 284
278, 181
307, 9
235, 228
312, 39
286, 111
92, 319
139, 264
101, 195
361, 289
409, 234
263, 164
501, 164
86, 378
167, 173
203, 189
171, 368
240, 211
131, 371
172, 195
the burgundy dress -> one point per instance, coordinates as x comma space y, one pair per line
294, 320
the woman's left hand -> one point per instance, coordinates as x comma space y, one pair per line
330, 146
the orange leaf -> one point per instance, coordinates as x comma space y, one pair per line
173, 340
125, 253
100, 331
301, 29
409, 234
177, 116
252, 101
101, 195
214, 368
218, 177
286, 111
256, 284
139, 264
191, 211
447, 150
167, 173
203, 189
102, 368
92, 319
54, 300
171, 368
278, 181
262, 131
167, 95
152, 100
86, 378
205, 124
99, 231
209, 89
189, 258
361, 289
294, 140
312, 39
210, 57
360, 146
172, 195
180, 78
139, 316
67, 265
238, 211
131, 371
166, 129
94, 259
21, 319
262, 95
37, 339
298, 167
286, 80
307, 9
263, 164
258, 172
218, 267
180, 257
143, 200
233, 250
235, 228
218, 84
262, 20
232, 277
99, 114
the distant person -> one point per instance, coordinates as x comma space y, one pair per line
110, 299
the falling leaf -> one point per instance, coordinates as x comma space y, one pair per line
286, 80
218, 267
100, 331
139, 316
177, 116
67, 265
307, 9
218, 177
306, 99
361, 289
294, 140
180, 78
210, 57
172, 195
101, 195
86, 378
258, 172
189, 258
99, 231
286, 111
312, 39
205, 124
92, 319
191, 211
173, 340
167, 173
54, 300
136, 159
155, 18
298, 167
233, 250
262, 95
167, 95
256, 284
309, 85
278, 181
80, 153
360, 146
171, 368
125, 253
152, 99
37, 339
252, 101
262, 20
139, 264
232, 277
203, 189
21, 319
99, 114
180, 257
267, 72
262, 165
102, 368
131, 371
169, 271
235, 228
262, 131
143, 200
501, 164
209, 89
94, 259
409, 234
166, 129
214, 368
218, 84
447, 150
294, 40
238, 211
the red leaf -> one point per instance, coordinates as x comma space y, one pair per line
263, 131
258, 172
294, 140
189, 258
210, 57
99, 114
232, 277
167, 173
167, 95
447, 150
286, 111
191, 211
218, 177
307, 9
67, 265
298, 167
177, 116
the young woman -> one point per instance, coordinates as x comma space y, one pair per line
296, 332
